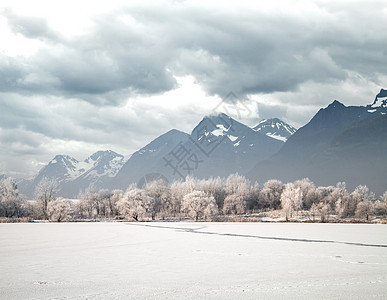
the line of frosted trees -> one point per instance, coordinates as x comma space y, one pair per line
198, 199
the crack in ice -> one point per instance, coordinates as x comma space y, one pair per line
195, 230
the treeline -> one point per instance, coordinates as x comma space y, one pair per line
198, 199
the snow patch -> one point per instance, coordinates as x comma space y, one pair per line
232, 138
277, 137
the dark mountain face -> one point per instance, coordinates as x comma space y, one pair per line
147, 160
217, 146
336, 145
275, 128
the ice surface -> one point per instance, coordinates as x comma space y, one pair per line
193, 261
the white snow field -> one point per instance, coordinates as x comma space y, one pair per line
190, 260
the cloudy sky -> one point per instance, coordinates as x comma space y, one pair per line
82, 76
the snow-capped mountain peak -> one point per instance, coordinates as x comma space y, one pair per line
275, 128
380, 100
220, 125
102, 163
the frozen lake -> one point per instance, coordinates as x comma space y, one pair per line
193, 260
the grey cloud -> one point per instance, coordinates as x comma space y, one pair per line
71, 87
29, 26
271, 111
249, 52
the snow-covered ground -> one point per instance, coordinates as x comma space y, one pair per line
193, 260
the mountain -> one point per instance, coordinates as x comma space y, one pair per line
233, 144
340, 143
95, 171
148, 160
275, 128
72, 175
380, 100
217, 146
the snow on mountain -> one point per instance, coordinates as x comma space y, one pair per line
72, 175
220, 136
221, 125
63, 168
103, 163
275, 128
379, 102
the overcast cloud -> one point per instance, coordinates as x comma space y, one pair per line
78, 78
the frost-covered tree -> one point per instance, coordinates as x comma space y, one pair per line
135, 204
198, 204
214, 187
380, 206
116, 195
45, 192
88, 203
271, 193
291, 200
178, 190
237, 193
324, 211
161, 194
359, 195
313, 211
254, 200
308, 191
173, 207
59, 210
11, 203
237, 184
342, 199
104, 203
235, 204
364, 209
324, 195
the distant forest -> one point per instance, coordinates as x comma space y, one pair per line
216, 199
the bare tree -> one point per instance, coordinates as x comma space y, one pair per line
197, 204
45, 192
